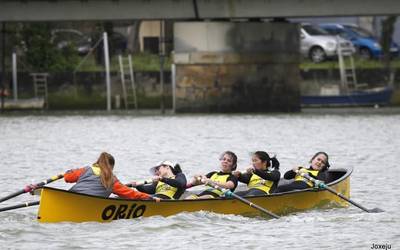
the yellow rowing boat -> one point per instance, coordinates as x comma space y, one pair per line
59, 205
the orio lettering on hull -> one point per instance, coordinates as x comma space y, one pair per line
123, 211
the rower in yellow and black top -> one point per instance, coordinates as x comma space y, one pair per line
168, 181
319, 164
261, 177
218, 178
223, 179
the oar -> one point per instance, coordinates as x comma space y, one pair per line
229, 193
26, 204
30, 188
322, 185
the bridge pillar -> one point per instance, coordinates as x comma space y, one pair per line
236, 67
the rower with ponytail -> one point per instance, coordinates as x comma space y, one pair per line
99, 180
261, 177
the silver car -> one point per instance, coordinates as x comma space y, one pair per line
318, 45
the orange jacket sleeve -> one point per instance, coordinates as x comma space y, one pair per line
125, 192
73, 175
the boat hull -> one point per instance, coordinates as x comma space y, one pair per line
59, 205
363, 98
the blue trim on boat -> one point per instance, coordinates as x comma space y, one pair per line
356, 98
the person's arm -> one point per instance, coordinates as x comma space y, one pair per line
289, 175
244, 177
210, 174
73, 175
148, 188
321, 176
230, 183
128, 193
178, 182
274, 175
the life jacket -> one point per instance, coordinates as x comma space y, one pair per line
165, 189
218, 178
90, 183
259, 183
314, 174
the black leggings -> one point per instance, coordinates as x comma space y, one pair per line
251, 192
292, 186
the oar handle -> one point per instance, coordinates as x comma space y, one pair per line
26, 204
51, 179
229, 193
32, 187
322, 185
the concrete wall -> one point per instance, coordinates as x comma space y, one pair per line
236, 67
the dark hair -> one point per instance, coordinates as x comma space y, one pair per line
176, 169
264, 157
327, 165
233, 156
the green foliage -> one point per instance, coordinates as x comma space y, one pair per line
41, 55
141, 62
76, 98
69, 100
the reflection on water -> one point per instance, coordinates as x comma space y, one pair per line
35, 147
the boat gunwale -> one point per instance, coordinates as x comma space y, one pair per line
347, 171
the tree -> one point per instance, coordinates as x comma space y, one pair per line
41, 54
386, 40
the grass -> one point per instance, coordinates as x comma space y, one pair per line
68, 101
141, 62
151, 62
78, 99
358, 63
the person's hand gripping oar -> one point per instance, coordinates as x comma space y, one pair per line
32, 187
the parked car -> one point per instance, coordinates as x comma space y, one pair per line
366, 44
318, 45
63, 38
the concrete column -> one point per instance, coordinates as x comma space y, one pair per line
236, 67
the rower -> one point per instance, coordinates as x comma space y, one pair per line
261, 177
168, 181
223, 178
319, 164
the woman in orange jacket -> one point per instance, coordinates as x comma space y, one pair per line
99, 180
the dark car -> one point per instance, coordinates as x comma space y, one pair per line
64, 38
117, 43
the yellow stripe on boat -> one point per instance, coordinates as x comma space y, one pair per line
59, 205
